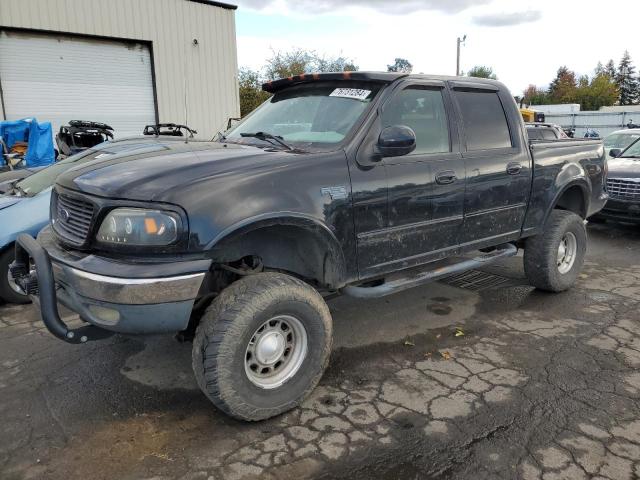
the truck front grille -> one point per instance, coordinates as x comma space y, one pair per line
71, 218
622, 189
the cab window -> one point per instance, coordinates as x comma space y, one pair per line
422, 109
549, 134
534, 133
484, 120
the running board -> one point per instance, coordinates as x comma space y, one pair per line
414, 278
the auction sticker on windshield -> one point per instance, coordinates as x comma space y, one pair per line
355, 93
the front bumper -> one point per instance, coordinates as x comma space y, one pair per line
111, 296
621, 210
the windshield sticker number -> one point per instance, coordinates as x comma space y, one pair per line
354, 93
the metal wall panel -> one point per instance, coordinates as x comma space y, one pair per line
604, 123
202, 77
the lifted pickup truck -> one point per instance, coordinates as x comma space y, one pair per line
360, 183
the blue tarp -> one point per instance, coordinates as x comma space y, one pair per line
39, 136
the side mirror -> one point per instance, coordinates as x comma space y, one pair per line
396, 140
615, 152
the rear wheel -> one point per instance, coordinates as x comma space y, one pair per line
553, 259
262, 346
9, 291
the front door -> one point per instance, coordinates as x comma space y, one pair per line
424, 190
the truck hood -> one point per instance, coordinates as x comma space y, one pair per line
624, 168
152, 173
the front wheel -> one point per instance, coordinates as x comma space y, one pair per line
262, 346
9, 290
553, 259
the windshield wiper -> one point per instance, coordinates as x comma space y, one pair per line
266, 137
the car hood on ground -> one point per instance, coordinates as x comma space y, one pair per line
23, 214
152, 173
624, 168
7, 179
8, 200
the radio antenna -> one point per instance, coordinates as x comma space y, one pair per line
186, 108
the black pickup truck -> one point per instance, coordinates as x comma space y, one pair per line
356, 183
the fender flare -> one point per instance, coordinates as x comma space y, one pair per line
334, 273
575, 182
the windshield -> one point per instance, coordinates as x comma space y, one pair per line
632, 151
620, 140
318, 115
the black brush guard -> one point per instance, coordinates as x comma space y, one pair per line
41, 286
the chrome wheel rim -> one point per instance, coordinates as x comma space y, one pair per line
567, 252
276, 351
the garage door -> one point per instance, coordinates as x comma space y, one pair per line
58, 78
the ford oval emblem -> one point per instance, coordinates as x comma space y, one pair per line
63, 215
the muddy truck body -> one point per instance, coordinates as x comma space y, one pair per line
358, 183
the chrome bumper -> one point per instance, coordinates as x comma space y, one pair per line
129, 291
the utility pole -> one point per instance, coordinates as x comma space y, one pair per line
460, 42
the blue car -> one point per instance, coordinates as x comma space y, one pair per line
25, 206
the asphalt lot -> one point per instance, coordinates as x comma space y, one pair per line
540, 386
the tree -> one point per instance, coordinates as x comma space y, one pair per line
610, 69
481, 71
401, 65
287, 64
535, 96
562, 88
627, 81
591, 93
604, 92
251, 93
337, 64
600, 91
283, 64
599, 70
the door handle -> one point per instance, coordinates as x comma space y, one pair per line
446, 177
514, 168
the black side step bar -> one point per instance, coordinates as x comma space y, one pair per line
413, 279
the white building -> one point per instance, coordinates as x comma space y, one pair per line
622, 108
127, 63
557, 109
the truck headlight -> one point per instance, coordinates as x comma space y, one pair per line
138, 226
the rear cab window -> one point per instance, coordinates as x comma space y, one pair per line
534, 133
549, 134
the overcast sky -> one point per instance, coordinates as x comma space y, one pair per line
525, 41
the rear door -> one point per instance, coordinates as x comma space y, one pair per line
497, 162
